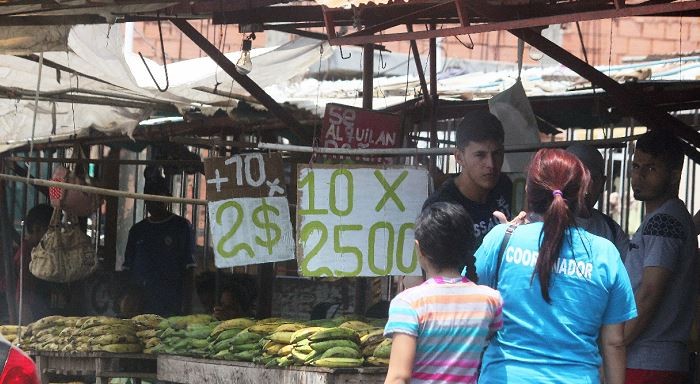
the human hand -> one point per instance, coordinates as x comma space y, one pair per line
521, 218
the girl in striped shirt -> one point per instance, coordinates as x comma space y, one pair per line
440, 327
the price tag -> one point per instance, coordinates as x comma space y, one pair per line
358, 221
251, 231
248, 213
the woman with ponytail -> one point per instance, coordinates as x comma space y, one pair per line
563, 288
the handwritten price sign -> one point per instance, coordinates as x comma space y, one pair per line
358, 221
248, 212
251, 230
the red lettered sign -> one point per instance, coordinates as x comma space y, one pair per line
350, 127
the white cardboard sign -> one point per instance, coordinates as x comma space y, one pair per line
358, 220
251, 230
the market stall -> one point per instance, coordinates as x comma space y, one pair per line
180, 369
101, 365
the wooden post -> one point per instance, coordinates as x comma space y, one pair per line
367, 75
6, 242
110, 176
433, 90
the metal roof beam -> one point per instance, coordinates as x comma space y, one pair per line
497, 14
248, 84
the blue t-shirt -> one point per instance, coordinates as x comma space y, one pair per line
552, 343
157, 255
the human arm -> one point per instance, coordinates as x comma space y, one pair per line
403, 353
612, 347
648, 298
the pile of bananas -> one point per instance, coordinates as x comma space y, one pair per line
11, 332
147, 330
184, 335
102, 333
225, 335
45, 334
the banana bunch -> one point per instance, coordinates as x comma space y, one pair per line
244, 345
380, 355
147, 330
45, 334
182, 322
12, 333
370, 341
183, 335
333, 347
102, 333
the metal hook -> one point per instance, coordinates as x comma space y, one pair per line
381, 60
165, 63
341, 53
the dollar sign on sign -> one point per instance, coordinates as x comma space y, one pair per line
263, 222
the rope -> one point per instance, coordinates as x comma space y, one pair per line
102, 191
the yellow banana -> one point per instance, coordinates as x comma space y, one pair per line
355, 325
335, 333
305, 333
281, 337
118, 348
376, 335
378, 361
338, 362
285, 350
290, 327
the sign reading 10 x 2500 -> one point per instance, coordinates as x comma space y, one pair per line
358, 221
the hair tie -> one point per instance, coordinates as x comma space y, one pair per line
557, 192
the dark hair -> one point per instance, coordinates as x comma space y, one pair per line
445, 234
479, 126
39, 215
663, 146
555, 170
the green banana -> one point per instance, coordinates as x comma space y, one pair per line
227, 334
246, 337
323, 346
244, 347
351, 353
383, 350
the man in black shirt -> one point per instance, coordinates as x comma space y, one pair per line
480, 187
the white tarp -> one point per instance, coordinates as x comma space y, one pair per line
97, 51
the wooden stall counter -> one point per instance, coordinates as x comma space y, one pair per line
188, 370
101, 365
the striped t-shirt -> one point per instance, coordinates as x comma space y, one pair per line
452, 319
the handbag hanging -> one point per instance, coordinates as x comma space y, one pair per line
65, 252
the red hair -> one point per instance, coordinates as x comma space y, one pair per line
555, 170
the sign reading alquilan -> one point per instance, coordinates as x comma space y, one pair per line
350, 127
249, 216
358, 221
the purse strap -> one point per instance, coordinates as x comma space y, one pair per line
55, 217
501, 251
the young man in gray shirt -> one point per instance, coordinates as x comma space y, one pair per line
595, 221
661, 264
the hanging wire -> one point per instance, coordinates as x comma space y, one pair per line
165, 63
408, 71
467, 46
382, 63
341, 53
